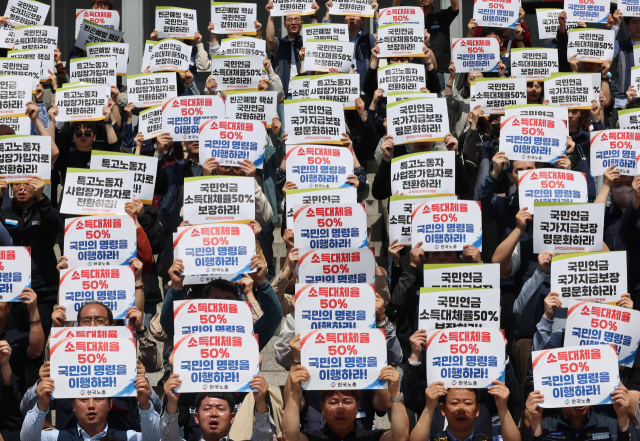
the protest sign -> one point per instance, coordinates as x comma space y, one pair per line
316, 196
236, 72
183, 116
591, 324
95, 33
460, 358
176, 22
283, 8
23, 67
24, 156
325, 31
442, 308
252, 106
209, 316
20, 123
310, 166
113, 287
562, 227
82, 103
144, 170
403, 77
617, 147
15, 93
41, 57
217, 198
150, 122
94, 332
534, 133
401, 14
234, 17
15, 272
100, 240
335, 306
299, 86
593, 45
358, 8
224, 361
462, 275
170, 55
418, 120
36, 37
119, 51
89, 367
8, 37
494, 94
400, 209
551, 186
575, 376
343, 266
146, 56
475, 54
151, 89
323, 55
400, 40
547, 22
330, 227
500, 13
103, 17
216, 249
392, 97
89, 191
571, 90
231, 141
593, 11
246, 46
95, 70
629, 118
314, 121
338, 87
26, 12
430, 172
533, 63
341, 360
592, 277
629, 8
447, 226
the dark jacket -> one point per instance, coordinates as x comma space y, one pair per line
282, 59
630, 235
559, 428
152, 226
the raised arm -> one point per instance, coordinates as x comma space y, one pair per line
422, 429
291, 417
504, 251
272, 41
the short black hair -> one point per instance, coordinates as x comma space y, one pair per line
86, 124
109, 3
324, 394
633, 104
488, 30
95, 302
222, 285
228, 397
475, 391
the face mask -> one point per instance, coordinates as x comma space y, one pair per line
622, 196
495, 128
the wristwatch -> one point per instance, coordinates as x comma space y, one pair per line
398, 398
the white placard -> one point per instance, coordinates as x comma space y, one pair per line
183, 116
96, 191
94, 332
400, 209
322, 55
94, 33
114, 287
500, 13
358, 8
252, 106
551, 185
15, 272
442, 308
400, 40
24, 156
100, 240
591, 277
36, 37
463, 359
144, 170
209, 199
26, 12
314, 121
150, 122
7, 38
236, 72
592, 11
119, 51
548, 22
246, 46
475, 54
21, 124
231, 141
418, 120
337, 306
95, 70
595, 45
15, 93
43, 56
103, 17
575, 376
426, 173
151, 89
462, 275
82, 103
234, 18
629, 8
310, 166
494, 94
299, 86
330, 227
305, 196
344, 266
282, 8
534, 63
402, 77
209, 316
146, 56
629, 118
86, 367
176, 22
564, 228
339, 87
23, 67
596, 324
571, 90
341, 360
401, 14
617, 147
325, 31
447, 226
170, 55
392, 97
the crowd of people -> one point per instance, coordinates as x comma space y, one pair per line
417, 408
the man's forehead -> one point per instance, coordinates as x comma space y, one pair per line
212, 401
523, 165
460, 394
